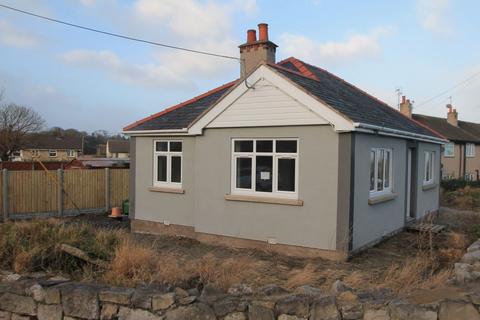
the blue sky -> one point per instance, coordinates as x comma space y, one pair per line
76, 79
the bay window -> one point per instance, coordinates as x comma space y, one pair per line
167, 164
429, 172
380, 171
265, 167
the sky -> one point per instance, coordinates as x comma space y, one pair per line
77, 79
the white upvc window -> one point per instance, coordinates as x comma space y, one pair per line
470, 150
52, 153
34, 153
70, 153
449, 150
167, 163
429, 170
265, 167
381, 171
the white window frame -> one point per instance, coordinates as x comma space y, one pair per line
17, 154
470, 150
449, 155
169, 154
432, 167
386, 190
275, 157
70, 153
52, 153
34, 152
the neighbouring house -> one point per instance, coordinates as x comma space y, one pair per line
47, 147
101, 150
117, 149
461, 155
92, 162
289, 157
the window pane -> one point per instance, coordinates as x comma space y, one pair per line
175, 146
427, 166
387, 169
161, 146
286, 174
380, 170
176, 169
244, 173
264, 146
244, 146
263, 181
286, 146
162, 168
372, 170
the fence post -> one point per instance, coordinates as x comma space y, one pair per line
107, 189
60, 192
5, 194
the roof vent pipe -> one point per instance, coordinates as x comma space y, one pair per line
263, 32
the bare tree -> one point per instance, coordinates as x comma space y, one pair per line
16, 123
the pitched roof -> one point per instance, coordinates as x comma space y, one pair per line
354, 103
118, 146
48, 141
465, 132
340, 95
181, 115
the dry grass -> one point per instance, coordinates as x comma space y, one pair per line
300, 277
402, 263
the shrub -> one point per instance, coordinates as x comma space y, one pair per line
455, 184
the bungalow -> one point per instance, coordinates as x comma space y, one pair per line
289, 157
461, 155
117, 148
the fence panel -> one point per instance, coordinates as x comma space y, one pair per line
84, 188
32, 192
119, 180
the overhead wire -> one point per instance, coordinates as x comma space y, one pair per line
117, 35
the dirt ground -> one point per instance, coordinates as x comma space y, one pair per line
370, 268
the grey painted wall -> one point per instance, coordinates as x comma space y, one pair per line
311, 225
371, 222
428, 200
158, 206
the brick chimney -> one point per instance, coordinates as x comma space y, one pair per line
406, 107
255, 52
452, 115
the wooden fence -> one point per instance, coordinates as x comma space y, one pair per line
26, 194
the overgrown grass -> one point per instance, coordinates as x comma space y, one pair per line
466, 198
33, 246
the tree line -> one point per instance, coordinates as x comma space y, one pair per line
18, 122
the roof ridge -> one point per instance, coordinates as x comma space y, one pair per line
298, 73
181, 104
300, 65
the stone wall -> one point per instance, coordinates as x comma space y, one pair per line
43, 298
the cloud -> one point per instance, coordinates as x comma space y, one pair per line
148, 75
12, 36
434, 15
199, 25
355, 47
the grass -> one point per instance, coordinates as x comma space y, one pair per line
466, 198
401, 263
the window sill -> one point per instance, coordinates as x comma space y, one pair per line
429, 186
167, 190
381, 198
289, 202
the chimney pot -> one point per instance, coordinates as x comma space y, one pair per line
251, 36
262, 32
